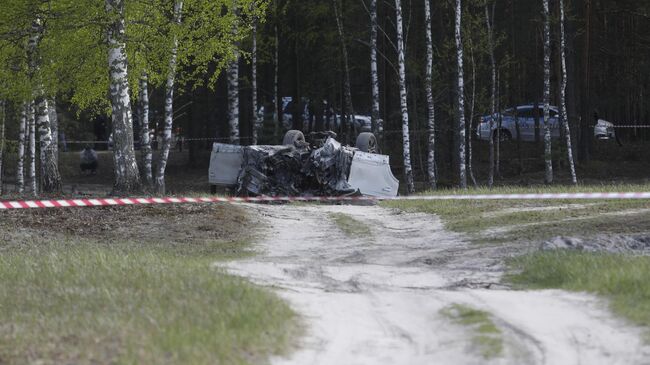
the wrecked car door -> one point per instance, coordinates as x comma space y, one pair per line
371, 174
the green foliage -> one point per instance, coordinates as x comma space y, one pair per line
73, 49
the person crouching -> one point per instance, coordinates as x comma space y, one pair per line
88, 161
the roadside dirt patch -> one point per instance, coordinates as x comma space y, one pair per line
379, 301
189, 223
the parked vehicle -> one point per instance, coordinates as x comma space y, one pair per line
362, 123
525, 116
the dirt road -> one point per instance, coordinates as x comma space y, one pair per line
377, 299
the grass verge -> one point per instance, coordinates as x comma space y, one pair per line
621, 278
523, 219
486, 336
350, 226
150, 297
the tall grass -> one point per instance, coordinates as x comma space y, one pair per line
71, 303
624, 279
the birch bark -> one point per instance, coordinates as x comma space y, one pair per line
493, 101
20, 169
461, 99
408, 169
377, 123
54, 126
548, 175
431, 122
470, 162
50, 176
563, 108
127, 178
31, 174
159, 182
233, 89
276, 66
145, 139
347, 90
256, 120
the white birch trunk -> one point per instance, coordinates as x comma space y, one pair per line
159, 182
50, 176
431, 122
548, 175
145, 138
461, 99
347, 89
54, 125
20, 165
31, 172
3, 118
256, 119
276, 97
233, 89
377, 123
408, 169
493, 101
563, 108
470, 157
127, 177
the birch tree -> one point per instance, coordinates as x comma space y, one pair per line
347, 89
233, 86
408, 169
563, 109
159, 182
276, 66
256, 120
54, 126
493, 94
461, 98
431, 125
377, 126
548, 175
127, 177
50, 177
145, 139
20, 170
31, 174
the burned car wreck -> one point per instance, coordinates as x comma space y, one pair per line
321, 166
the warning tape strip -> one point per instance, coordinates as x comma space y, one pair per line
78, 203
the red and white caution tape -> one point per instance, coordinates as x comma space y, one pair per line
76, 203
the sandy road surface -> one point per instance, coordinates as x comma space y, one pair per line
377, 299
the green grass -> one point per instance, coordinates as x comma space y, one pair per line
486, 336
474, 217
621, 278
591, 188
352, 227
140, 287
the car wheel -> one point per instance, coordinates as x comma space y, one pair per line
367, 142
503, 136
293, 136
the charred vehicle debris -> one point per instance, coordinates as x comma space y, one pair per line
321, 166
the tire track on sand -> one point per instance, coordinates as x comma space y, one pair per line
377, 300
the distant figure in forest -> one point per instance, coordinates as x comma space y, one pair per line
597, 120
88, 161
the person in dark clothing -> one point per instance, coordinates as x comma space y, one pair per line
88, 161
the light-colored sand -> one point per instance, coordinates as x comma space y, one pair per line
377, 299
